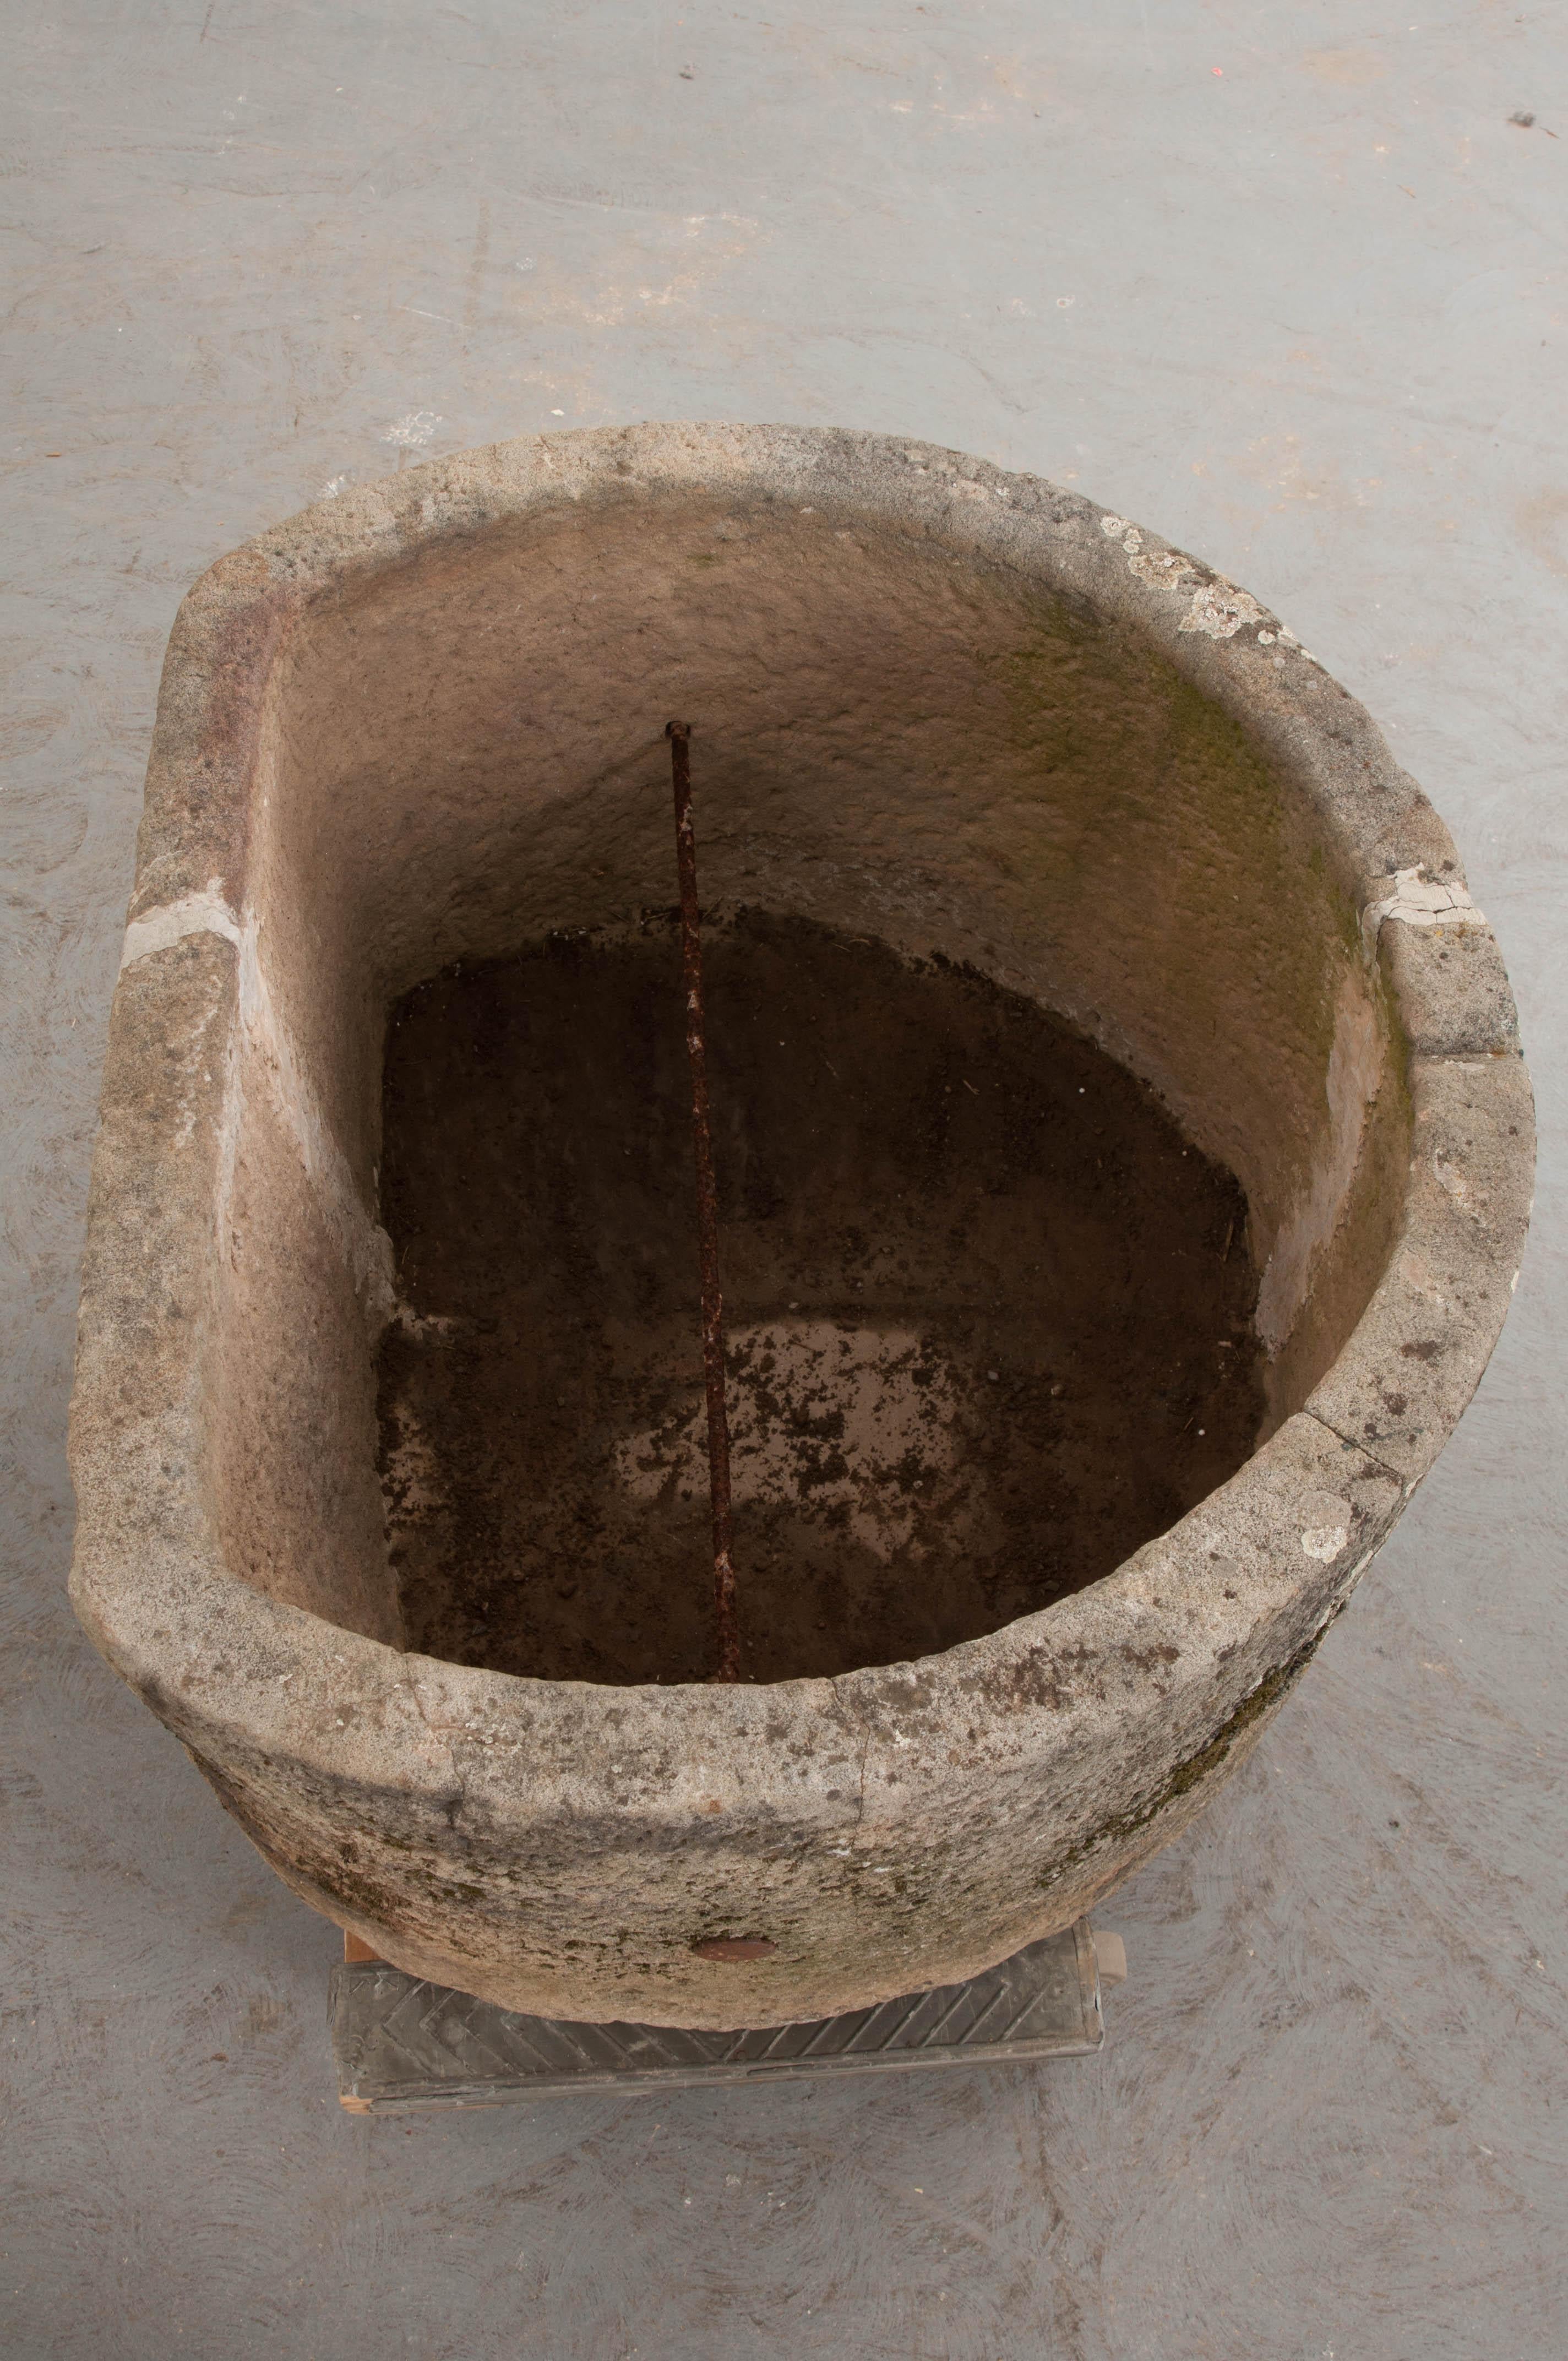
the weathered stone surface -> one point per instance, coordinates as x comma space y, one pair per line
1447, 974
957, 710
1405, 1377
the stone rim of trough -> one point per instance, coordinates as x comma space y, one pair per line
1134, 1688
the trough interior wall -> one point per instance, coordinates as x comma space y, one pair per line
466, 751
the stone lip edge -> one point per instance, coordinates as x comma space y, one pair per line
221, 654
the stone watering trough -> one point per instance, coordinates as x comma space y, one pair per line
1123, 1157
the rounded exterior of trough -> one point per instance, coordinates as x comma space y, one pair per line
564, 1847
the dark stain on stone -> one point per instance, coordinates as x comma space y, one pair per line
905, 1151
1034, 1680
1196, 1767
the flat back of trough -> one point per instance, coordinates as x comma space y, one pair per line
962, 711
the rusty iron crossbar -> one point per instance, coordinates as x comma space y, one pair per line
679, 736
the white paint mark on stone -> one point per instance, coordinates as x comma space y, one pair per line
1420, 899
206, 913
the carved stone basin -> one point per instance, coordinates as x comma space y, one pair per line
1127, 1167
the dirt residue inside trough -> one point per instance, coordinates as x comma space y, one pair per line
989, 1315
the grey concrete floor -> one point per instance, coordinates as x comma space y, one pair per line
1284, 282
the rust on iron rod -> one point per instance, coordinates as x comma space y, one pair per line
679, 735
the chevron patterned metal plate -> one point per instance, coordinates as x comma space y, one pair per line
403, 2043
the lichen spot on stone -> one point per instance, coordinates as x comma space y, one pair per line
1219, 610
1325, 1541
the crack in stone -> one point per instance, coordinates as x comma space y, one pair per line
865, 1759
1351, 1443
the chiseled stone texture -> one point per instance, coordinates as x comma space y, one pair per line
1452, 987
1201, 866
1404, 1378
